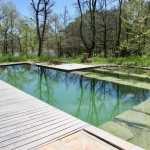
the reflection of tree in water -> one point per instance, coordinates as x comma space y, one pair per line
14, 75
93, 109
105, 100
91, 94
95, 101
44, 86
81, 96
47, 80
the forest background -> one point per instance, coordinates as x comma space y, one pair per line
106, 29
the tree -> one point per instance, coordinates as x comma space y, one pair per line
55, 28
75, 44
13, 14
66, 19
104, 23
136, 28
27, 37
42, 10
8, 26
119, 27
87, 19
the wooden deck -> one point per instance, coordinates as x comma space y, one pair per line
28, 123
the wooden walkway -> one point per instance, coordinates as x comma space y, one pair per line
28, 123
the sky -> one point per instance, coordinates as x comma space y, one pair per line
23, 6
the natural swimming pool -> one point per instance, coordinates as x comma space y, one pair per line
89, 99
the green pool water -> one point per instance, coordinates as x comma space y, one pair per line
91, 100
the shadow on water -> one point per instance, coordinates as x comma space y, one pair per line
91, 100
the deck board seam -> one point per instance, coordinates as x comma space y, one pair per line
27, 138
27, 122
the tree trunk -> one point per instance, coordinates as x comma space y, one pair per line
5, 43
42, 10
40, 49
20, 45
119, 27
12, 47
92, 9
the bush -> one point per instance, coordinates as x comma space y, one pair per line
11, 59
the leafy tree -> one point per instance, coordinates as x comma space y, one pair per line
119, 29
55, 28
8, 26
27, 34
75, 44
135, 21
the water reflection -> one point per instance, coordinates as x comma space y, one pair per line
91, 100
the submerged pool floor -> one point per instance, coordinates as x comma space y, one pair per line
134, 80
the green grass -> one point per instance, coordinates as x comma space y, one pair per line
130, 61
4, 59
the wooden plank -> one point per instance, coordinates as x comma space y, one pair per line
23, 109
22, 103
61, 135
24, 118
16, 99
32, 124
28, 123
43, 125
51, 138
13, 96
11, 93
12, 100
26, 102
25, 113
9, 103
10, 89
31, 136
52, 133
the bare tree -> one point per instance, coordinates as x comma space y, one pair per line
105, 25
41, 12
90, 6
66, 19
